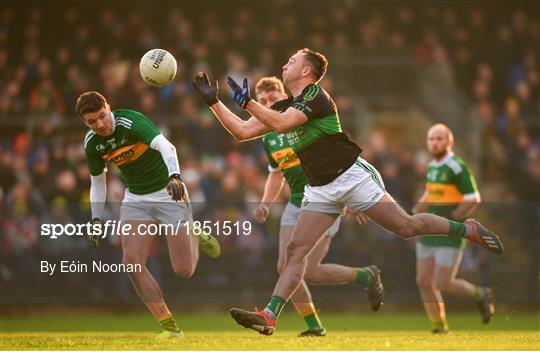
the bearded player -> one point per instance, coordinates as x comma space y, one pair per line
155, 194
338, 178
451, 192
284, 165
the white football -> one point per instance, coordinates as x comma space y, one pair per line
158, 67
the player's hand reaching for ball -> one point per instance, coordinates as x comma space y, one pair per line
261, 213
240, 94
176, 188
206, 90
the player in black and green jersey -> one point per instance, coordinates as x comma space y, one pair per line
155, 194
284, 165
451, 192
338, 178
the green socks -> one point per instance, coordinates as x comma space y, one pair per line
313, 322
169, 324
478, 293
363, 276
440, 324
457, 229
275, 306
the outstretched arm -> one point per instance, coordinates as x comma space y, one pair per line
241, 130
280, 122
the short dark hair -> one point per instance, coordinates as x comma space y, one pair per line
89, 102
269, 84
318, 63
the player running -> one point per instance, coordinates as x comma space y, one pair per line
337, 176
284, 165
451, 192
155, 194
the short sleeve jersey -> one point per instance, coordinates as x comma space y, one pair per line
128, 147
281, 155
324, 150
448, 183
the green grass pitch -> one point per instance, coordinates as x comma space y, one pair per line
216, 331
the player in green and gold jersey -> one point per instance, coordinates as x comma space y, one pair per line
155, 194
284, 165
451, 192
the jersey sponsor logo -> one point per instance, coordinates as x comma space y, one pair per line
286, 158
443, 193
294, 136
126, 154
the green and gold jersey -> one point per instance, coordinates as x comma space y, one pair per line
128, 147
324, 150
281, 155
448, 183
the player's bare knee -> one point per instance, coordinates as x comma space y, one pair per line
184, 271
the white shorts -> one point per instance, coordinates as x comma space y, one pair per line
443, 255
157, 206
292, 212
358, 188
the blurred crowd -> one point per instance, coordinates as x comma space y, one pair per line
48, 56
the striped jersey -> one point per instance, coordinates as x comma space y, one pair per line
324, 150
448, 183
128, 147
281, 155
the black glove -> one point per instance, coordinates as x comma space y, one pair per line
95, 236
177, 188
205, 89
240, 94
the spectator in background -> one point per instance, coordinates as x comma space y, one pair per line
494, 60
20, 233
